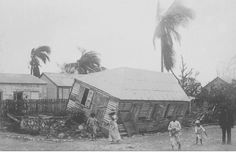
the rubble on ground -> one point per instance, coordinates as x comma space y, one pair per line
52, 127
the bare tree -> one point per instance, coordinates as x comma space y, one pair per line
188, 80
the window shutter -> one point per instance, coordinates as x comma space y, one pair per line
89, 99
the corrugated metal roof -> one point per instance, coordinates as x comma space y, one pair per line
20, 79
136, 84
62, 79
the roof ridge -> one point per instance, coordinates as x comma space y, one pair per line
18, 74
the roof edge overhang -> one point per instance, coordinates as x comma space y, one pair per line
140, 100
65, 86
24, 83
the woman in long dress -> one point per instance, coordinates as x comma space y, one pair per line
114, 135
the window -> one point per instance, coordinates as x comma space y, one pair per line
183, 110
34, 95
158, 111
145, 112
170, 110
86, 91
89, 99
135, 110
179, 109
65, 93
60, 93
76, 92
18, 95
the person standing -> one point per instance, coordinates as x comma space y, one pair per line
92, 124
114, 135
174, 132
226, 122
198, 131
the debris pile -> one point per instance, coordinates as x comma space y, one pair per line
55, 127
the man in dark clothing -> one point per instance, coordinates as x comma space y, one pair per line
226, 122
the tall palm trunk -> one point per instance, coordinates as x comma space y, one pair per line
175, 76
162, 60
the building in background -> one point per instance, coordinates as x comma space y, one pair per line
218, 83
21, 86
58, 84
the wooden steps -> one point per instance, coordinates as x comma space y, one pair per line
122, 130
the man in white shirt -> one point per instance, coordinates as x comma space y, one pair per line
174, 132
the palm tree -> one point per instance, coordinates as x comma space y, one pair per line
40, 53
89, 62
166, 30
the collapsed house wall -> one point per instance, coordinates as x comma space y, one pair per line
87, 99
150, 115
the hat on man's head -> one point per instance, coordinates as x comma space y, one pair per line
197, 121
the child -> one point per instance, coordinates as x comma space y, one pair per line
198, 131
114, 135
174, 132
92, 124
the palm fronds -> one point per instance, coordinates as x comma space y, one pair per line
89, 62
40, 53
177, 15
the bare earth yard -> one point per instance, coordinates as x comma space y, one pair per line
159, 141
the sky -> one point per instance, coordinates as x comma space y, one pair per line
121, 31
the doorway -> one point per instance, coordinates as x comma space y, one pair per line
18, 95
0, 95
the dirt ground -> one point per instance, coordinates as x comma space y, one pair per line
158, 141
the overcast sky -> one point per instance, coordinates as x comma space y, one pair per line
120, 30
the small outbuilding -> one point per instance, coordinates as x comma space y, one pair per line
20, 86
143, 99
217, 83
58, 84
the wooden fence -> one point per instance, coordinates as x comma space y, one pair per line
34, 107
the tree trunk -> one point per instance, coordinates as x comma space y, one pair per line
31, 70
162, 64
175, 77
162, 58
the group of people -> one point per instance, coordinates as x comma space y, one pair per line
93, 125
226, 122
174, 129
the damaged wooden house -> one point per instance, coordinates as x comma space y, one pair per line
143, 99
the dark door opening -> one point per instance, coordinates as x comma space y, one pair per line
18, 95
0, 96
85, 96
